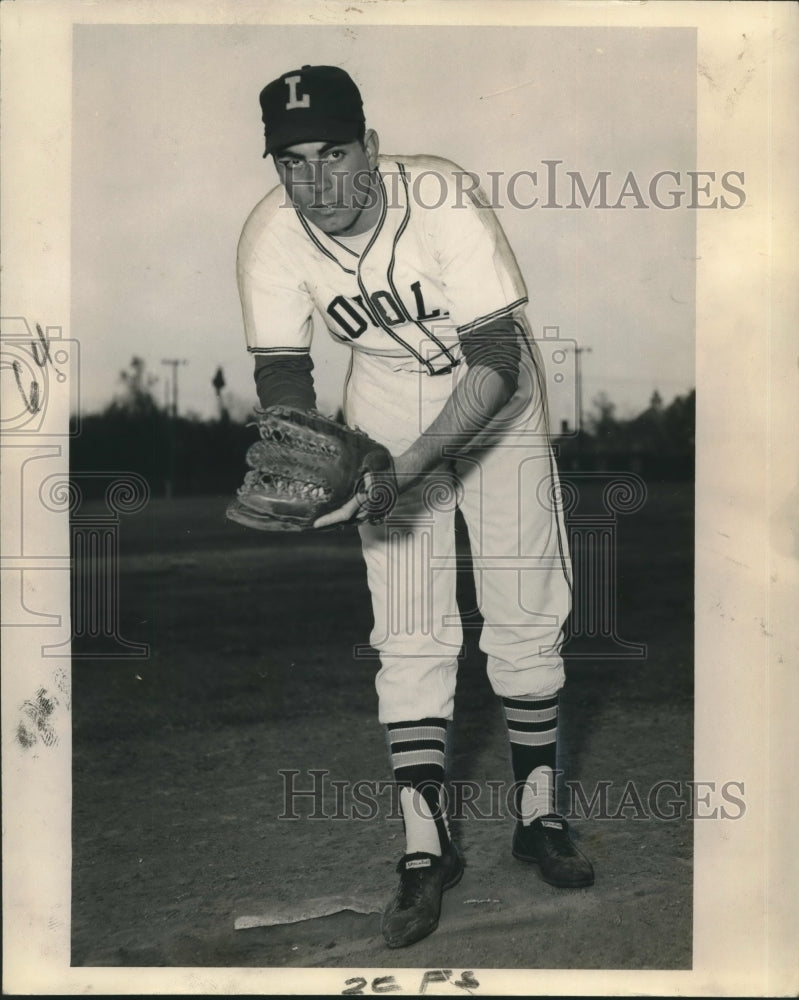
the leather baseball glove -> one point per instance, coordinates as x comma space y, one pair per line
306, 465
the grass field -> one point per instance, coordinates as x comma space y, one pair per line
177, 757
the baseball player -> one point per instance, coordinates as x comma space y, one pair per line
408, 267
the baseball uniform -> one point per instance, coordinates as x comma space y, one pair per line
436, 266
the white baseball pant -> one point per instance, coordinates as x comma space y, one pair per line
506, 487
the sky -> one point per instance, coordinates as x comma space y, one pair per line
167, 164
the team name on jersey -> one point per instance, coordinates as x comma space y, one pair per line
354, 314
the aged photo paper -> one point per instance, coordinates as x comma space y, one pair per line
134, 127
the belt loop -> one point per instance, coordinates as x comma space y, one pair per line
448, 369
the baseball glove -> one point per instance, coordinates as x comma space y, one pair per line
306, 465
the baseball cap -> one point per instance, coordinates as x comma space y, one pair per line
311, 104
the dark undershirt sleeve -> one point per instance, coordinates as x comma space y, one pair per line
495, 345
283, 380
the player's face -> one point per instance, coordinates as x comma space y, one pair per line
332, 183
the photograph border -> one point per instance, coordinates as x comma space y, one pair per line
746, 874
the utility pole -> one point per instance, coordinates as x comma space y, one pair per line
169, 485
174, 363
578, 378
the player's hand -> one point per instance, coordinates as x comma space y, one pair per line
352, 512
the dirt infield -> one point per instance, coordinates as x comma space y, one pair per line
183, 762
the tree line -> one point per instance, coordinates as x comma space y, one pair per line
188, 455
658, 442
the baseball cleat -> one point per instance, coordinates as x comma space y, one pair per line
414, 911
546, 842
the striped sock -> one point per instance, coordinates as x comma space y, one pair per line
417, 757
532, 730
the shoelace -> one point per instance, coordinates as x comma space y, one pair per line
559, 842
411, 887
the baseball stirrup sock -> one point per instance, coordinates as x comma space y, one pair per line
417, 757
533, 729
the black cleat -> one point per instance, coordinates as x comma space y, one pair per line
414, 911
546, 842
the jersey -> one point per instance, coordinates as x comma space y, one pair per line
436, 266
